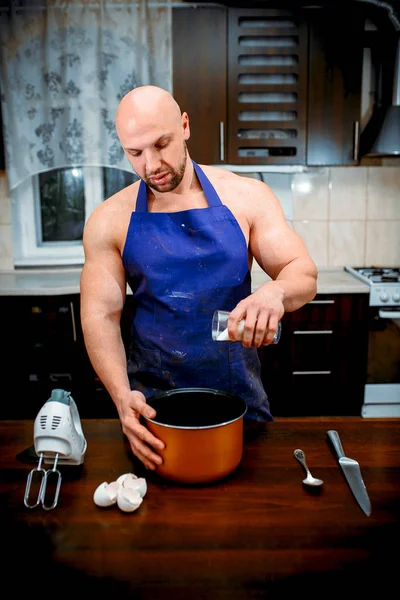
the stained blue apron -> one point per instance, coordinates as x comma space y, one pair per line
181, 267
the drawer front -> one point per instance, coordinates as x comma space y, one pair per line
326, 310
313, 350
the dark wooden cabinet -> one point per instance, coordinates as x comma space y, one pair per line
267, 87
270, 86
199, 78
242, 75
319, 366
41, 341
44, 350
334, 93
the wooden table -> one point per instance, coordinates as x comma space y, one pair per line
257, 534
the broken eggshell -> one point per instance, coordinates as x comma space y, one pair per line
106, 493
131, 481
128, 499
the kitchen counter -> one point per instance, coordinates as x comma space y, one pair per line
41, 282
257, 534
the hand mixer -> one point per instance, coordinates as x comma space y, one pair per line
58, 439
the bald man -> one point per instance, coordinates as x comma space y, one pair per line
183, 238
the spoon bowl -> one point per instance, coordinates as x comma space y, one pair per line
309, 480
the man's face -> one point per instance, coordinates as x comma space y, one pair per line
158, 156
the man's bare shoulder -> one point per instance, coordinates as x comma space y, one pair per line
108, 223
232, 185
222, 174
119, 204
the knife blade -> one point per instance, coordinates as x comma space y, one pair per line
352, 472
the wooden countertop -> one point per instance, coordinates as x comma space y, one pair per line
257, 534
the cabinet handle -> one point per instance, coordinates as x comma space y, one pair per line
322, 302
71, 304
221, 141
356, 140
316, 332
311, 372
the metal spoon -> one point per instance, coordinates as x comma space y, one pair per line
309, 480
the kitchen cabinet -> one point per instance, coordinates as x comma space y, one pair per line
267, 86
270, 86
241, 74
334, 93
319, 366
45, 350
199, 78
41, 342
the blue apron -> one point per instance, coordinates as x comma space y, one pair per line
181, 267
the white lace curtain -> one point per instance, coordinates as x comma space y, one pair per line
64, 67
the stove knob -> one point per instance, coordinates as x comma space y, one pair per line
396, 297
384, 297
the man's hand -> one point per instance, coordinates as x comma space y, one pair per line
261, 312
142, 441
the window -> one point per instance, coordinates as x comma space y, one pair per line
49, 212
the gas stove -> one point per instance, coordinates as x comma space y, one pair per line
384, 283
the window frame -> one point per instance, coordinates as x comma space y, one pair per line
28, 249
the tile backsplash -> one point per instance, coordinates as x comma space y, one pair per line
345, 215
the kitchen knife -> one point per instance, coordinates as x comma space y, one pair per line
352, 472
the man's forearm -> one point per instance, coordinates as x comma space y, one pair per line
107, 355
298, 284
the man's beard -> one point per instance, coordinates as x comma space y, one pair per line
177, 175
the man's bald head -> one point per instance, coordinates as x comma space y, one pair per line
144, 105
153, 134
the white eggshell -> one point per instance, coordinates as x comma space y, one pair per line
121, 478
128, 499
135, 483
106, 494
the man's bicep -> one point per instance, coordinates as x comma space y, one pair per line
275, 245
103, 283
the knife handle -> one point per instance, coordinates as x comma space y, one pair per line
336, 443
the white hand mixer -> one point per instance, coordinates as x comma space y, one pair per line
58, 439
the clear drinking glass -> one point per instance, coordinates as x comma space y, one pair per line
219, 328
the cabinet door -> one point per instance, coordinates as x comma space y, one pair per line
267, 87
319, 366
199, 78
334, 98
41, 337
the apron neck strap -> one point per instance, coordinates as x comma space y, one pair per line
208, 189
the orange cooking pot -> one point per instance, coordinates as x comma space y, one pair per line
202, 430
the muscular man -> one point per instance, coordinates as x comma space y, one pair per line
183, 239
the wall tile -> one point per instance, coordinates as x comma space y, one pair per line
346, 243
383, 243
6, 251
347, 193
310, 195
315, 236
383, 193
281, 185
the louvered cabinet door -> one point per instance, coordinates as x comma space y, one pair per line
267, 87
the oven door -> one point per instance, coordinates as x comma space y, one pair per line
382, 390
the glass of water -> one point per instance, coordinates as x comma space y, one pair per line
219, 328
